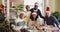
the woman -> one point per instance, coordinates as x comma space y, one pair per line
35, 22
27, 13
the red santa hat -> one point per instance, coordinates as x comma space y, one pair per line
47, 9
36, 3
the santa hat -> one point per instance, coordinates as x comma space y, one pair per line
34, 13
22, 13
36, 3
47, 9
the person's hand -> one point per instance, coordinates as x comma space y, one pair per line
17, 30
22, 27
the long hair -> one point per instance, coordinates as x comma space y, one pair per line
31, 17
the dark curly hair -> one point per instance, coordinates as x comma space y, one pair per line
31, 17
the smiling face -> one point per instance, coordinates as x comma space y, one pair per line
35, 7
34, 15
21, 15
27, 7
48, 14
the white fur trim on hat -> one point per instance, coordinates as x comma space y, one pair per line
34, 13
36, 3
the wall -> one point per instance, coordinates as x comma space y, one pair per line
0, 1
55, 5
17, 2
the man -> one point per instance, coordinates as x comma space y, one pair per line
35, 9
50, 19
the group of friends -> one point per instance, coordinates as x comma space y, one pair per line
31, 19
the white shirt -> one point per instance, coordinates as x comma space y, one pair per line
15, 27
19, 27
27, 13
18, 20
36, 10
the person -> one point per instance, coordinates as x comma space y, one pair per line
50, 19
20, 23
27, 14
27, 8
35, 22
35, 9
